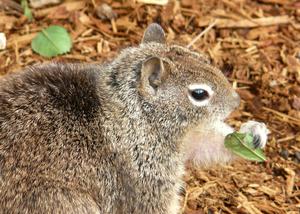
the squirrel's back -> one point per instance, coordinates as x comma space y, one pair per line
50, 116
69, 88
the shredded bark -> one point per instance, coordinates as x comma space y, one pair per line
255, 42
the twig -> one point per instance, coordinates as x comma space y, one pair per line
17, 53
202, 33
69, 6
246, 82
158, 2
290, 181
21, 40
114, 26
285, 139
281, 2
238, 10
245, 23
284, 116
94, 3
295, 194
185, 202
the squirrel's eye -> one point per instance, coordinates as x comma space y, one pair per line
199, 94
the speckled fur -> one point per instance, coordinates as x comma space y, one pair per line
87, 139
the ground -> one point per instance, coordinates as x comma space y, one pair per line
256, 44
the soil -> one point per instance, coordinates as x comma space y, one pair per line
256, 43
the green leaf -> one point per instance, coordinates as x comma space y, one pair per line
242, 145
52, 41
26, 9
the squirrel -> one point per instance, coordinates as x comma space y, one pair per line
112, 137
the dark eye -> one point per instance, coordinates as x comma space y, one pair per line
199, 94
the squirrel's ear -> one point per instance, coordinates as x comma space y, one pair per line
154, 33
152, 75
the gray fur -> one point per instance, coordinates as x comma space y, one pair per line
154, 33
90, 139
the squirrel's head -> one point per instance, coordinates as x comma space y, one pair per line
181, 83
177, 84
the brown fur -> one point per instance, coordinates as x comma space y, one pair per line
93, 139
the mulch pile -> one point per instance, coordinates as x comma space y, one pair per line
257, 45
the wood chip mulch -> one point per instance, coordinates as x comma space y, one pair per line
255, 42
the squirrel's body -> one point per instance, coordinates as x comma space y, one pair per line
73, 136
103, 138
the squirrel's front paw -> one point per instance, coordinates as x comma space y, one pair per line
258, 130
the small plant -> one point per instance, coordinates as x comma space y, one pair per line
26, 9
242, 145
52, 41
